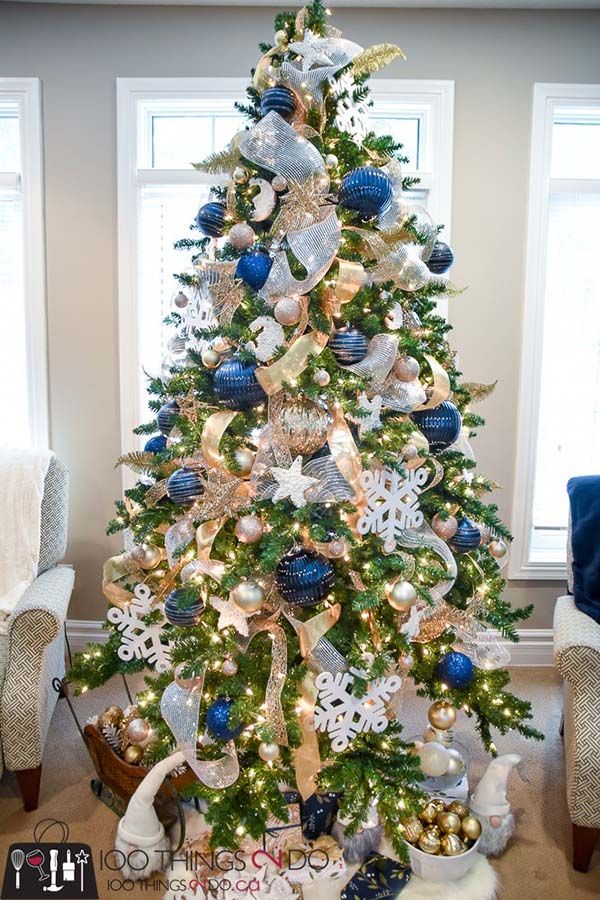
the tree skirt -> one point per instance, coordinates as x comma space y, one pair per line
481, 883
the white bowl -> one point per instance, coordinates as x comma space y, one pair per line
442, 868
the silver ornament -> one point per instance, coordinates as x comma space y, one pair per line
249, 529
137, 731
486, 533
279, 184
210, 359
241, 236
240, 175
406, 368
409, 451
456, 764
498, 549
248, 596
288, 311
268, 752
322, 377
304, 425
230, 667
147, 556
180, 300
402, 595
331, 161
336, 548
444, 528
244, 458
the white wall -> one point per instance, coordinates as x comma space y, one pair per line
77, 51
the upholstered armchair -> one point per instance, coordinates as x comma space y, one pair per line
32, 653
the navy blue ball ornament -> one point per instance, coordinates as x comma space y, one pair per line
467, 537
166, 416
441, 258
218, 721
348, 345
211, 219
184, 486
367, 190
280, 100
180, 612
254, 267
235, 384
156, 444
304, 577
456, 670
440, 425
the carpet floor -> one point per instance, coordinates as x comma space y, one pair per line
536, 865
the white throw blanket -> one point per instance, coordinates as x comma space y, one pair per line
22, 474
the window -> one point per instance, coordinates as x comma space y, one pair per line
559, 419
23, 374
164, 125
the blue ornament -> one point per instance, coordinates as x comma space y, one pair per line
348, 346
317, 815
440, 425
166, 416
253, 267
280, 100
467, 537
456, 670
441, 258
180, 612
156, 444
217, 721
184, 486
367, 190
211, 219
235, 384
304, 577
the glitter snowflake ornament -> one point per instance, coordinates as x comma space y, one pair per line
342, 715
139, 640
392, 503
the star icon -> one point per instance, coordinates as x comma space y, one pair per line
229, 614
312, 50
292, 483
82, 857
372, 407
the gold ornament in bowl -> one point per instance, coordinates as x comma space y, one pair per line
461, 809
429, 841
471, 827
431, 811
449, 823
442, 715
304, 425
452, 845
413, 829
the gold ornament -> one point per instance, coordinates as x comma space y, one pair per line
210, 358
112, 715
288, 311
322, 377
431, 811
413, 829
406, 368
133, 754
304, 425
401, 595
240, 175
244, 458
461, 809
442, 715
452, 845
248, 596
268, 752
449, 823
498, 549
444, 528
429, 841
471, 827
241, 236
249, 529
147, 556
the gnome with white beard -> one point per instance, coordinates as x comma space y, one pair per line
490, 805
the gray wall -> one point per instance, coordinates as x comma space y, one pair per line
77, 51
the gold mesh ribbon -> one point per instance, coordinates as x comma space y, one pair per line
204, 565
214, 428
273, 708
292, 364
113, 570
350, 279
440, 389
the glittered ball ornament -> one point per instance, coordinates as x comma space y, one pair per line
460, 808
254, 267
156, 444
279, 183
184, 486
133, 754
235, 384
279, 99
401, 595
467, 536
431, 810
456, 670
406, 368
304, 577
412, 829
147, 556
442, 715
348, 345
137, 731
210, 219
429, 841
268, 752
304, 425
218, 721
183, 611
498, 549
230, 667
366, 190
112, 716
288, 311
248, 596
241, 236
166, 416
440, 425
444, 528
441, 258
249, 529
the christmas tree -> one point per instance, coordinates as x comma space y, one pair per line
309, 531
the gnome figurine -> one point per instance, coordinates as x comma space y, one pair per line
490, 805
140, 830
364, 842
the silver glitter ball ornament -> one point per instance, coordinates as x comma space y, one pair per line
304, 425
241, 236
248, 596
402, 595
406, 368
279, 183
137, 731
268, 752
444, 528
288, 311
322, 377
249, 529
180, 300
230, 667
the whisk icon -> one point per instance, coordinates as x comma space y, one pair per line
17, 858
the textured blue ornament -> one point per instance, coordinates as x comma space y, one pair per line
180, 613
278, 99
254, 267
184, 486
211, 219
440, 425
235, 384
367, 190
467, 537
317, 815
441, 258
217, 721
456, 670
304, 577
156, 444
348, 346
166, 416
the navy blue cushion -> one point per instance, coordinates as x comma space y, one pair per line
584, 495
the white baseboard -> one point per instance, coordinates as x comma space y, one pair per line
534, 647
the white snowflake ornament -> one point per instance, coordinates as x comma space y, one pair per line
147, 642
392, 503
269, 340
372, 421
342, 715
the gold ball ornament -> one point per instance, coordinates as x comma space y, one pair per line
406, 368
322, 377
288, 311
471, 827
249, 529
449, 823
413, 829
279, 183
240, 175
147, 556
429, 841
401, 595
186, 677
331, 161
133, 754
304, 425
241, 236
444, 528
268, 752
442, 715
248, 596
137, 731
431, 810
461, 809
230, 667
451, 845
498, 549
112, 715
281, 37
210, 358
244, 458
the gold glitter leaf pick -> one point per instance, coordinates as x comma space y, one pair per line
226, 295
375, 58
478, 390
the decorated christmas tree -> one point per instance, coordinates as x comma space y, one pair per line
309, 531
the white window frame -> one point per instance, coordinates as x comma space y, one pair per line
546, 99
29, 182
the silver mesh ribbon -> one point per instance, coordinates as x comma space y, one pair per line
325, 658
274, 145
403, 266
423, 536
379, 360
180, 709
332, 486
402, 396
178, 536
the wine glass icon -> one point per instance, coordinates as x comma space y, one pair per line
36, 859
